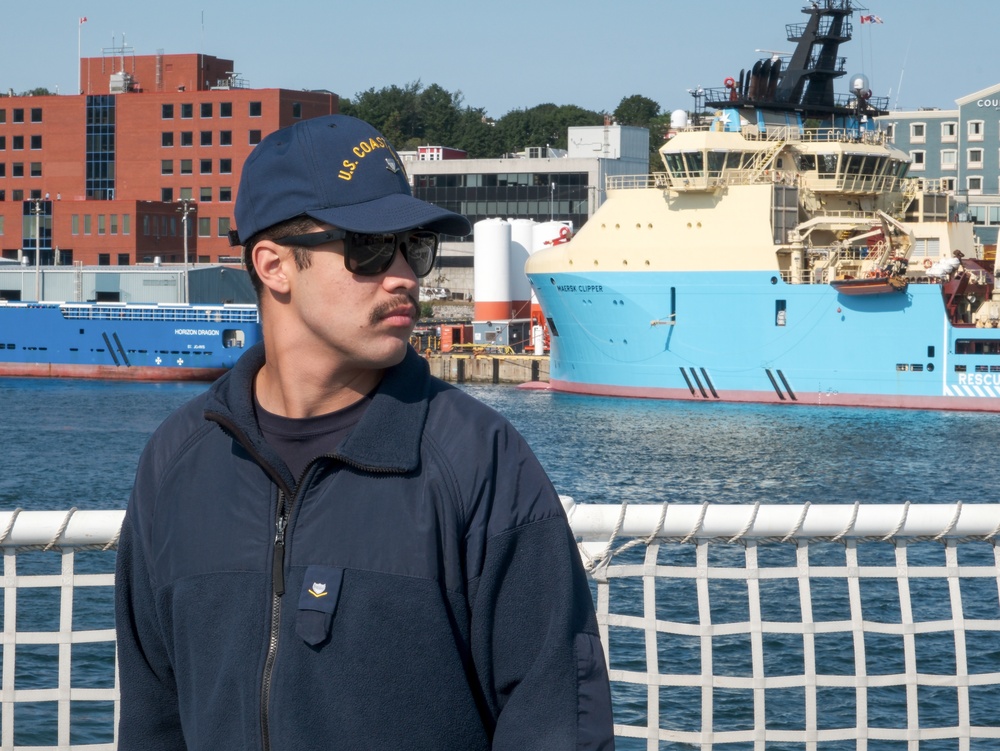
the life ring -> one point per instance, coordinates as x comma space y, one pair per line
928, 263
730, 82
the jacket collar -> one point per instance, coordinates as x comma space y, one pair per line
387, 439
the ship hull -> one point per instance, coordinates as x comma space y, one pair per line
124, 342
750, 337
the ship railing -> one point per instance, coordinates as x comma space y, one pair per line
795, 625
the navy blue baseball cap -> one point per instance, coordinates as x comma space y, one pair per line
338, 170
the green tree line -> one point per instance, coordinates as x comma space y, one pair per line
414, 115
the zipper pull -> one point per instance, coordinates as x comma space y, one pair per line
278, 564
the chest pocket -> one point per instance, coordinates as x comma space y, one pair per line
318, 603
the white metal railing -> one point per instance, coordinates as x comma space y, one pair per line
796, 625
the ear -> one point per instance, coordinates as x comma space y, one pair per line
268, 260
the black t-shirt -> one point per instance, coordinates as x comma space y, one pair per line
300, 440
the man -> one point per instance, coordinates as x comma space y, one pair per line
330, 549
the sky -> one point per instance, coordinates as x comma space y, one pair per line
509, 55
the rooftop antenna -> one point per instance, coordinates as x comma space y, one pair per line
902, 70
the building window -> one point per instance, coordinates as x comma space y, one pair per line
297, 110
223, 226
185, 194
225, 109
225, 166
975, 158
949, 159
17, 115
167, 112
948, 184
187, 111
204, 226
3, 143
166, 195
126, 224
167, 167
87, 222
17, 195
225, 138
890, 131
186, 167
36, 114
187, 138
167, 139
206, 138
36, 170
225, 194
114, 224
206, 109
103, 259
975, 185
75, 224
255, 109
3, 169
100, 224
205, 195
17, 143
975, 130
3, 115
254, 137
917, 161
918, 132
123, 259
17, 169
949, 132
205, 167
36, 143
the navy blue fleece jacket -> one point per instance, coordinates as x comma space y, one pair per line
417, 589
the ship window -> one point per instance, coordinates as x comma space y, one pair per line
674, 163
959, 368
716, 162
827, 163
806, 162
917, 368
552, 326
930, 350
695, 163
780, 314
902, 367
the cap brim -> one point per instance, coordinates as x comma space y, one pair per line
393, 213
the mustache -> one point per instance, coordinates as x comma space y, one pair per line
383, 309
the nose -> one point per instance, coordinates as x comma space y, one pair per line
400, 274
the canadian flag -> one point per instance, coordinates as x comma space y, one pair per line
870, 19
83, 19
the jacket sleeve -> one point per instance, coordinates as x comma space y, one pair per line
535, 640
149, 712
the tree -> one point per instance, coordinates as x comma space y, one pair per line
636, 110
542, 125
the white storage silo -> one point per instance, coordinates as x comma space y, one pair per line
491, 264
521, 242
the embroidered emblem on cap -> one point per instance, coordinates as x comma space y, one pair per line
390, 164
318, 589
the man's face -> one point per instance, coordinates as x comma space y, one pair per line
362, 322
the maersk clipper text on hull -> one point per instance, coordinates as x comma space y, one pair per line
118, 341
783, 256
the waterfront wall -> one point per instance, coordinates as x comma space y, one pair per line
485, 368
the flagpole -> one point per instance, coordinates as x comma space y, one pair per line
79, 57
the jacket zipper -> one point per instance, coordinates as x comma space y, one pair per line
277, 590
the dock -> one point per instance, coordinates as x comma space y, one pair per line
488, 367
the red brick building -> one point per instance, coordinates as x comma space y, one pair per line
105, 175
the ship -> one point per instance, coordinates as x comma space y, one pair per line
784, 255
124, 341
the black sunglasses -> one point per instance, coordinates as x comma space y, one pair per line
371, 255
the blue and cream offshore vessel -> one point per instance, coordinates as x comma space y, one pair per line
155, 342
784, 256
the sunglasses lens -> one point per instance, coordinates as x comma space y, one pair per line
369, 255
420, 248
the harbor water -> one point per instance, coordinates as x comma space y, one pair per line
76, 443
